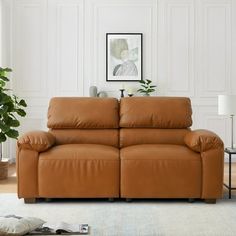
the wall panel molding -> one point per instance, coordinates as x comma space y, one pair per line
216, 47
66, 47
115, 16
180, 47
29, 48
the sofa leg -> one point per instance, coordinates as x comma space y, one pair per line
210, 201
191, 200
29, 200
128, 199
110, 199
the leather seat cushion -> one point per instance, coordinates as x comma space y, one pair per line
84, 170
160, 170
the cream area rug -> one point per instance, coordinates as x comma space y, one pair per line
138, 218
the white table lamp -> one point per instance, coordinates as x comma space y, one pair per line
227, 106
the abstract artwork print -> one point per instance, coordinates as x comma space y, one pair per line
124, 56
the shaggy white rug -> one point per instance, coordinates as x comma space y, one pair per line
138, 218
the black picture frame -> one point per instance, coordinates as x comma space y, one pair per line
125, 72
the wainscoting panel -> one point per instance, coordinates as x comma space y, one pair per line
29, 54
180, 47
66, 46
105, 16
216, 48
58, 48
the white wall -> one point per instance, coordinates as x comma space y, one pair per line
57, 48
5, 56
1, 30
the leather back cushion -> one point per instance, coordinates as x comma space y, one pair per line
83, 113
155, 112
135, 136
86, 136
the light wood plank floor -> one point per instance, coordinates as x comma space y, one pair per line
10, 185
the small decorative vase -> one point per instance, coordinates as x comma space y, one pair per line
93, 91
122, 93
102, 94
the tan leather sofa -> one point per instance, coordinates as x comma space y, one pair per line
141, 147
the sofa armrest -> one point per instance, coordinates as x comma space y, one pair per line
203, 140
39, 141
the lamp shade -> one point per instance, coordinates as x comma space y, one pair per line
227, 104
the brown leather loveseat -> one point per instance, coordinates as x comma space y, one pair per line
140, 147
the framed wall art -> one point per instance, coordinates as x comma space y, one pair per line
124, 56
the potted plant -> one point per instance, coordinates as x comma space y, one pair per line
146, 87
10, 108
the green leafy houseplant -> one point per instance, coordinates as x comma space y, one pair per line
146, 87
10, 107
